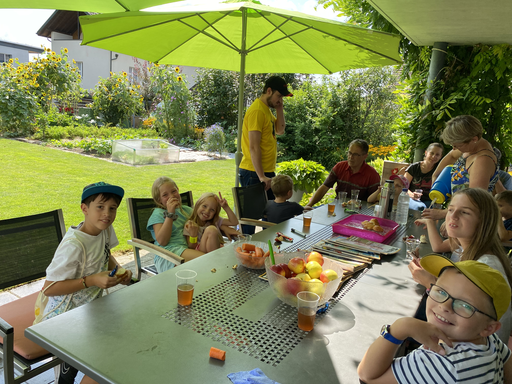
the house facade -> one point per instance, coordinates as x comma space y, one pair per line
63, 29
10, 50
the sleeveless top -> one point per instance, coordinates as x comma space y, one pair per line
460, 174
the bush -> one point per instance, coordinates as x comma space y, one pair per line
306, 175
115, 99
84, 131
214, 139
173, 112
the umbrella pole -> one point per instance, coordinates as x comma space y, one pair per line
241, 86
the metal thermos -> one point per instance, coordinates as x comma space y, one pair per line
386, 195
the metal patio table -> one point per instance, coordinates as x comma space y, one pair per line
141, 335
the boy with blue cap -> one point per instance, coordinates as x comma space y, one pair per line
80, 268
459, 341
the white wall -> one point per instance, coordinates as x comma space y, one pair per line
21, 54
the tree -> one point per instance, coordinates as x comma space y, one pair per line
215, 95
476, 80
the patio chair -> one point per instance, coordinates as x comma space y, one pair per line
28, 245
250, 202
139, 211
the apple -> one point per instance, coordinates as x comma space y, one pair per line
287, 272
328, 275
278, 268
304, 276
297, 265
315, 256
294, 286
316, 286
314, 269
293, 274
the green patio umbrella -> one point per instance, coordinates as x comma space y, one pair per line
102, 6
245, 37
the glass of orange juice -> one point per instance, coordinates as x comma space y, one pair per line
307, 303
331, 206
308, 217
185, 282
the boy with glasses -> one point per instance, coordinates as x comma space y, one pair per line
459, 341
350, 174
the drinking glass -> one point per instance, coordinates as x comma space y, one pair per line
354, 194
413, 248
185, 282
307, 216
331, 205
417, 194
342, 197
307, 303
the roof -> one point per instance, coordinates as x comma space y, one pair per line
24, 47
456, 22
65, 22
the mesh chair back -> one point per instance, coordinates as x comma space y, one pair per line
27, 246
140, 211
250, 201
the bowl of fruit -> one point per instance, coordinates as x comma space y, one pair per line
251, 254
298, 271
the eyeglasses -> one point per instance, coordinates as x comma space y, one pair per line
460, 307
350, 154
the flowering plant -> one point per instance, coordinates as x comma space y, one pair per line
115, 99
214, 138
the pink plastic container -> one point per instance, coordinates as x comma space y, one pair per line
351, 226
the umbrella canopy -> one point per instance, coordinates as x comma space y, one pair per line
245, 37
103, 6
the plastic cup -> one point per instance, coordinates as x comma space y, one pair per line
307, 217
243, 238
377, 211
417, 194
185, 282
357, 204
342, 197
307, 303
413, 249
354, 194
331, 205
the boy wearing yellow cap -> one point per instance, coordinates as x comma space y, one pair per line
459, 344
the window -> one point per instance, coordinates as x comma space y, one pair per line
4, 57
80, 66
132, 72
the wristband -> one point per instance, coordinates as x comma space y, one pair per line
83, 282
384, 332
192, 239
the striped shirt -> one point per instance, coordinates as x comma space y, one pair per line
464, 363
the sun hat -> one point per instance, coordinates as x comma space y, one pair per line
101, 187
402, 178
278, 84
484, 277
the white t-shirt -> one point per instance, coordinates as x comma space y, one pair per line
464, 363
68, 264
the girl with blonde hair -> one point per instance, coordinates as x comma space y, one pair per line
202, 231
472, 225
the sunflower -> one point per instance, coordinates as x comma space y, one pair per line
119, 80
125, 74
177, 69
179, 78
65, 50
11, 61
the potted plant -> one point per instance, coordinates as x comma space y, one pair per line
307, 176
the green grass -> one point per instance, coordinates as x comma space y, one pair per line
35, 179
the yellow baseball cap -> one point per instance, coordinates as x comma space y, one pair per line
484, 277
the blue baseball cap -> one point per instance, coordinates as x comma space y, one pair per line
101, 187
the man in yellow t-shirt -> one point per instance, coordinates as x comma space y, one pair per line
259, 144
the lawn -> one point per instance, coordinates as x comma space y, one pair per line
35, 179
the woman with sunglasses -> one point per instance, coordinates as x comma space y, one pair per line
472, 225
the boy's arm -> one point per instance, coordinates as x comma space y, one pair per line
505, 235
375, 367
507, 370
65, 287
375, 196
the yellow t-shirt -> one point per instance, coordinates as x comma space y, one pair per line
259, 118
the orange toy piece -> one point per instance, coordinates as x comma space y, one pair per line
248, 247
218, 354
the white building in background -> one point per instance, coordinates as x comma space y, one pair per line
10, 50
63, 30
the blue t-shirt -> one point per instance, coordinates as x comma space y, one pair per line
508, 224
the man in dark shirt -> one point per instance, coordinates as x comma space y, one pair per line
350, 174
